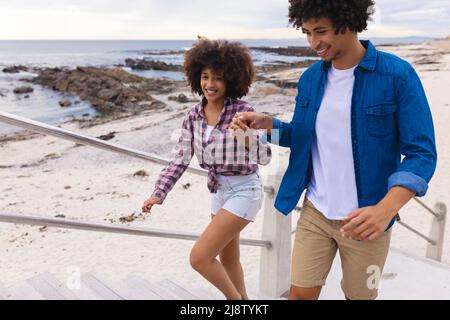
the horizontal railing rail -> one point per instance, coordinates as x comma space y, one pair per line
93, 142
110, 228
429, 240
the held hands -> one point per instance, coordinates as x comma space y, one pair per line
148, 204
250, 120
244, 121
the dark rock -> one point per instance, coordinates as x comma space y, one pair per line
181, 98
143, 64
141, 173
186, 186
65, 103
108, 136
284, 84
26, 96
107, 94
22, 90
15, 69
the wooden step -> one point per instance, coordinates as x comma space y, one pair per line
205, 293
101, 289
140, 283
178, 289
23, 291
51, 288
95, 287
3, 292
133, 290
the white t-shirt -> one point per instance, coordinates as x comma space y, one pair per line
332, 188
209, 129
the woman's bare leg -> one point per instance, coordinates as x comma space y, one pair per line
230, 259
218, 234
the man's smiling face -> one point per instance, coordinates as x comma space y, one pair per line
323, 39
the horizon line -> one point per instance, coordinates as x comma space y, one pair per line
284, 38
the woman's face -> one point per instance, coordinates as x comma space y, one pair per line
213, 85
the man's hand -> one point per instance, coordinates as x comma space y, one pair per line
368, 223
251, 120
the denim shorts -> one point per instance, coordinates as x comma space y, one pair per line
240, 195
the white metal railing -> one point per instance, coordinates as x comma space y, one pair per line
110, 228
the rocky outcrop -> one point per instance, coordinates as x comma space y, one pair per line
144, 64
15, 69
289, 51
285, 66
108, 90
161, 52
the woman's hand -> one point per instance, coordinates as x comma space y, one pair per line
253, 120
148, 204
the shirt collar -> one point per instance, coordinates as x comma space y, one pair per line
369, 61
227, 102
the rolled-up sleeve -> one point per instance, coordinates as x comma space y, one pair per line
416, 132
410, 181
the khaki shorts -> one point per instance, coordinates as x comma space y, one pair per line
316, 241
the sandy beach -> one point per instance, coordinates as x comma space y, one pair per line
46, 176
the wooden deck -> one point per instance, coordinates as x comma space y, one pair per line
94, 287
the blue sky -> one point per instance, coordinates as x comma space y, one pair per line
177, 19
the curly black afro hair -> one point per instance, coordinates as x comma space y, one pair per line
353, 14
232, 59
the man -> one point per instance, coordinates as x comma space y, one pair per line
357, 112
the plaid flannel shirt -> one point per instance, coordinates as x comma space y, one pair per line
221, 154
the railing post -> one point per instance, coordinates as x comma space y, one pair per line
437, 232
275, 263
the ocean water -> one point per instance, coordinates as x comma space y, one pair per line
109, 53
42, 104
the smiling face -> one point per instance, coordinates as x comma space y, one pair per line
323, 39
213, 85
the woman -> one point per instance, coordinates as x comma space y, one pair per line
221, 72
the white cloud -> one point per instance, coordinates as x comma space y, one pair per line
175, 19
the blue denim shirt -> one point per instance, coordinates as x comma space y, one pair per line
390, 118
